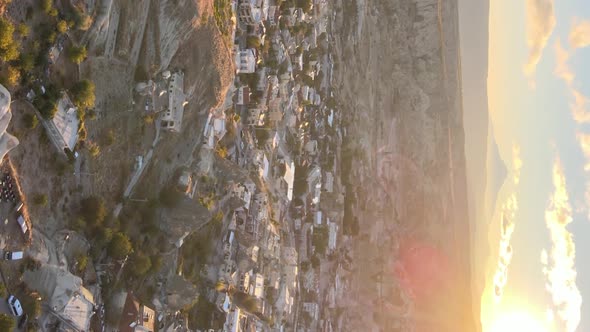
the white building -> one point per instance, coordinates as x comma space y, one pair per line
290, 179
255, 117
172, 118
251, 11
63, 128
258, 290
332, 236
232, 320
246, 61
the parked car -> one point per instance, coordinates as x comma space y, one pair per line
15, 306
13, 255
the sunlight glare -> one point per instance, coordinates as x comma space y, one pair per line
517, 322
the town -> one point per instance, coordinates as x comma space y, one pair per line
245, 234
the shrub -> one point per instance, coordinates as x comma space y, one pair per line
93, 149
7, 323
81, 262
30, 121
141, 75
93, 210
40, 199
22, 29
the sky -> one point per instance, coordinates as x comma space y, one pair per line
539, 108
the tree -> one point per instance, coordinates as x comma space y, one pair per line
93, 148
141, 75
83, 94
8, 46
46, 5
77, 54
253, 42
12, 76
62, 26
81, 262
120, 246
156, 263
7, 323
40, 199
22, 29
26, 62
93, 210
140, 264
52, 12
246, 302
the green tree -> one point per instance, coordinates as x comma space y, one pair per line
93, 210
140, 264
12, 76
120, 246
253, 42
83, 94
93, 148
46, 5
26, 62
22, 29
53, 12
40, 200
156, 261
7, 323
62, 26
77, 54
8, 46
81, 262
246, 302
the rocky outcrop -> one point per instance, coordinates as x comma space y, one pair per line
7, 141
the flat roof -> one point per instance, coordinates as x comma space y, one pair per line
66, 121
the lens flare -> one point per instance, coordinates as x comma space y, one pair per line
517, 322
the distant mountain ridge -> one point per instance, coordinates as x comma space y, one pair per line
474, 36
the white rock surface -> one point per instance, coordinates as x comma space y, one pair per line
7, 141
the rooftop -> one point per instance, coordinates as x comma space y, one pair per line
66, 121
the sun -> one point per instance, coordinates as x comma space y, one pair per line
517, 322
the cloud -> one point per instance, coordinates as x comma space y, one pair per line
579, 107
516, 163
579, 102
540, 25
584, 141
562, 69
580, 34
508, 213
559, 262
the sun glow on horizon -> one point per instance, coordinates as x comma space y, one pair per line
518, 322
